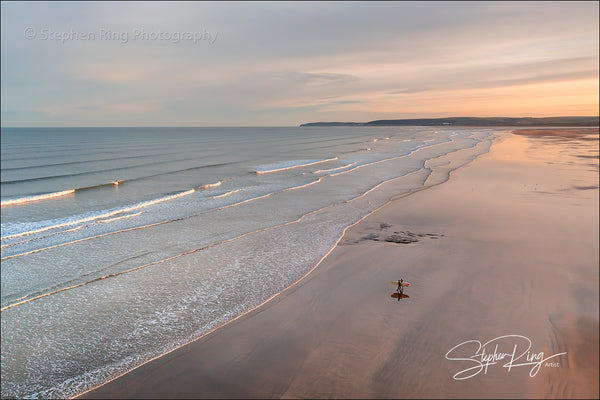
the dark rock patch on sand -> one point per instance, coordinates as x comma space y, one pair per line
381, 234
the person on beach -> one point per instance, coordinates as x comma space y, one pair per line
400, 288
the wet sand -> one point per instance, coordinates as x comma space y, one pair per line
509, 246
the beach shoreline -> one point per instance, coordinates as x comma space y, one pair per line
483, 253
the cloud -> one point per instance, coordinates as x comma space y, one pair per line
513, 73
318, 79
410, 91
278, 62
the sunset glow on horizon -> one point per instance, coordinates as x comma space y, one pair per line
281, 64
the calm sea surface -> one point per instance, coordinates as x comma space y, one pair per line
120, 244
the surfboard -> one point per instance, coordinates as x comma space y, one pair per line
400, 295
402, 284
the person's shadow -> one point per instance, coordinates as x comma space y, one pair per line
398, 295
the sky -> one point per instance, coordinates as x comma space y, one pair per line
287, 63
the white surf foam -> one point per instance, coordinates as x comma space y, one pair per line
36, 198
269, 168
102, 215
211, 185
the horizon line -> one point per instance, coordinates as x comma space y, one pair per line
283, 126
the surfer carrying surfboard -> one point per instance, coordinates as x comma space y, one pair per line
401, 285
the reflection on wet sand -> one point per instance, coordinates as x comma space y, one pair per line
397, 295
581, 133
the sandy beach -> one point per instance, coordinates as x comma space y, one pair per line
505, 252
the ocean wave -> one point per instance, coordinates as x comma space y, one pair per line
269, 168
46, 196
45, 178
40, 237
61, 164
227, 193
87, 238
101, 215
104, 221
113, 183
185, 170
29, 199
423, 146
210, 185
334, 169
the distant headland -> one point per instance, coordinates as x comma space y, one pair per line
470, 121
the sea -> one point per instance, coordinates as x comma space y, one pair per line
119, 245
